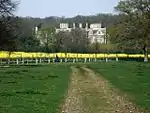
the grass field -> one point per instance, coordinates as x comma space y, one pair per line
33, 89
41, 89
131, 78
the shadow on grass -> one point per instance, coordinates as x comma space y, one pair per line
44, 77
24, 92
13, 72
7, 82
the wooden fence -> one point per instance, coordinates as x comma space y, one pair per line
40, 58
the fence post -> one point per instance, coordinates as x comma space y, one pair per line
22, 60
89, 59
27, 61
53, 60
117, 59
40, 60
76, 59
106, 59
85, 60
49, 60
36, 60
17, 61
73, 60
8, 61
61, 60
95, 60
65, 59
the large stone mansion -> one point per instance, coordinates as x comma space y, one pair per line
95, 31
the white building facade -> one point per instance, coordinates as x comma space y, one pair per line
63, 27
95, 32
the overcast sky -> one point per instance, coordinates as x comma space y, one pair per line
67, 8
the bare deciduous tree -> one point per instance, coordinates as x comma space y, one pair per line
7, 7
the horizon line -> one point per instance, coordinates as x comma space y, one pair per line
65, 17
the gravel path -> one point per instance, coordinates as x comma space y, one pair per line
73, 102
89, 93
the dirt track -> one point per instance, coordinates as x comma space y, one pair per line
89, 93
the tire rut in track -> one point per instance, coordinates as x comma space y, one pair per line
73, 102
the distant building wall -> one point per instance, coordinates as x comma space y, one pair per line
95, 33
63, 27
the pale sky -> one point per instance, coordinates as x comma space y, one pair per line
67, 8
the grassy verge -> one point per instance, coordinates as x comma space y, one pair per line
130, 77
33, 89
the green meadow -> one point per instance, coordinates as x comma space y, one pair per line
33, 89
